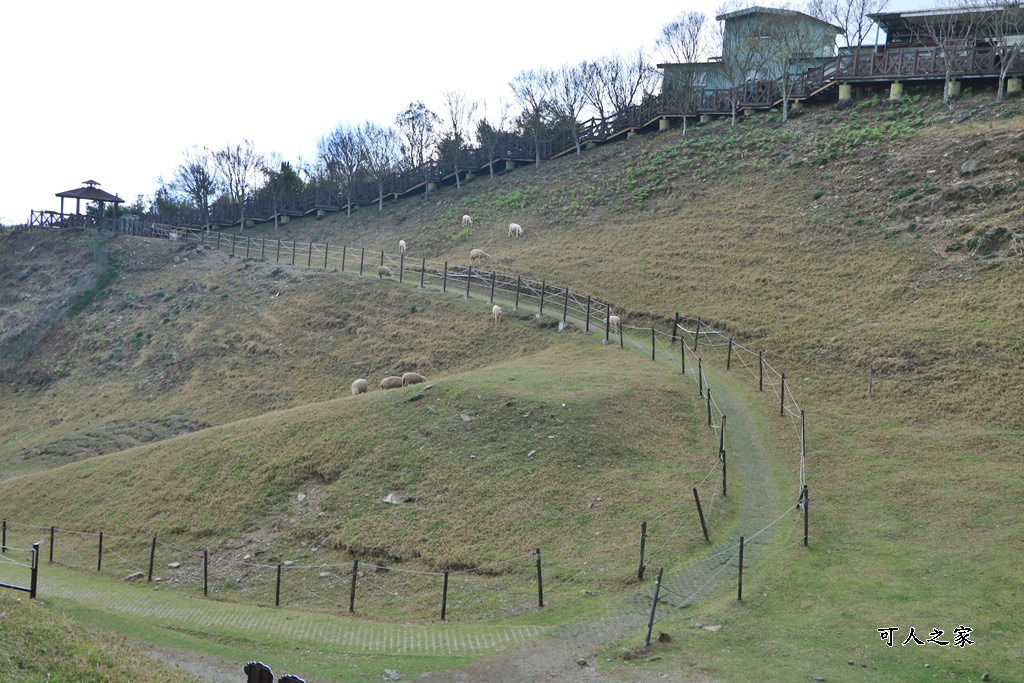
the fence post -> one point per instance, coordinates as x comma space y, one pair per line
206, 572
423, 271
607, 323
696, 335
51, 544
760, 370
401, 268
586, 330
232, 244
682, 355
700, 376
444, 280
782, 397
469, 279
565, 307
327, 246
352, 591
710, 423
247, 243
99, 554
739, 590
621, 343
721, 436
700, 513
277, 589
35, 571
519, 282
652, 344
444, 596
493, 276
294, 245
543, 288
540, 582
263, 249
362, 256
675, 328
643, 542
382, 257
218, 241
870, 379
654, 607
344, 255
152, 557
806, 501
728, 358
3, 538
277, 258
722, 457
202, 242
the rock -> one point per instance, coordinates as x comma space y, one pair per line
581, 662
325, 575
391, 675
288, 563
713, 629
970, 166
417, 397
664, 637
174, 565
393, 499
817, 678
986, 677
132, 577
467, 418
301, 497
698, 625
850, 663
531, 454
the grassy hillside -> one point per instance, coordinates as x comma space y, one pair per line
877, 236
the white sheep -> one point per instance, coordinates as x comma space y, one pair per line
477, 255
401, 246
467, 221
496, 314
360, 386
515, 230
613, 322
391, 383
412, 378
383, 271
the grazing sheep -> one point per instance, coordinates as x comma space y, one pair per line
391, 383
613, 322
467, 221
478, 255
383, 271
412, 378
401, 246
515, 230
496, 314
360, 386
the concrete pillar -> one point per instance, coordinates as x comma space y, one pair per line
249, 223
845, 92
631, 134
469, 176
590, 145
509, 165
284, 219
320, 213
664, 124
747, 111
895, 90
1013, 85
796, 106
431, 187
954, 88
705, 118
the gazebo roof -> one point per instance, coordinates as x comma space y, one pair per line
90, 191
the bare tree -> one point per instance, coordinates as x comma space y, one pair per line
1001, 24
686, 38
196, 178
791, 47
381, 154
242, 169
568, 95
341, 154
849, 15
419, 126
532, 89
953, 30
490, 130
743, 56
460, 111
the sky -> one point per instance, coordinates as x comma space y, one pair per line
115, 91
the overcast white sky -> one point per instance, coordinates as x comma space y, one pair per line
115, 90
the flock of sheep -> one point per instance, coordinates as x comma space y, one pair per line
361, 386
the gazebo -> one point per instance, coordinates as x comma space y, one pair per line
90, 191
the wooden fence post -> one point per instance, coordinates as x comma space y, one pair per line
294, 249
218, 241
652, 344
152, 557
52, 531
519, 282
586, 330
728, 358
760, 370
621, 343
247, 243
382, 257
34, 581
444, 281
643, 543
352, 591
607, 323
277, 259
362, 257
725, 491
401, 267
782, 396
99, 554
696, 335
540, 582
327, 246
700, 513
493, 276
232, 244
263, 249
710, 423
682, 355
565, 307
206, 572
277, 590
806, 505
444, 595
469, 279
309, 255
344, 255
3, 538
654, 607
543, 288
675, 328
423, 271
700, 376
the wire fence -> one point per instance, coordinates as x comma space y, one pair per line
509, 586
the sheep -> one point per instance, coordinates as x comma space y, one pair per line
360, 386
391, 383
515, 230
477, 255
383, 271
496, 314
613, 322
401, 246
467, 222
412, 378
